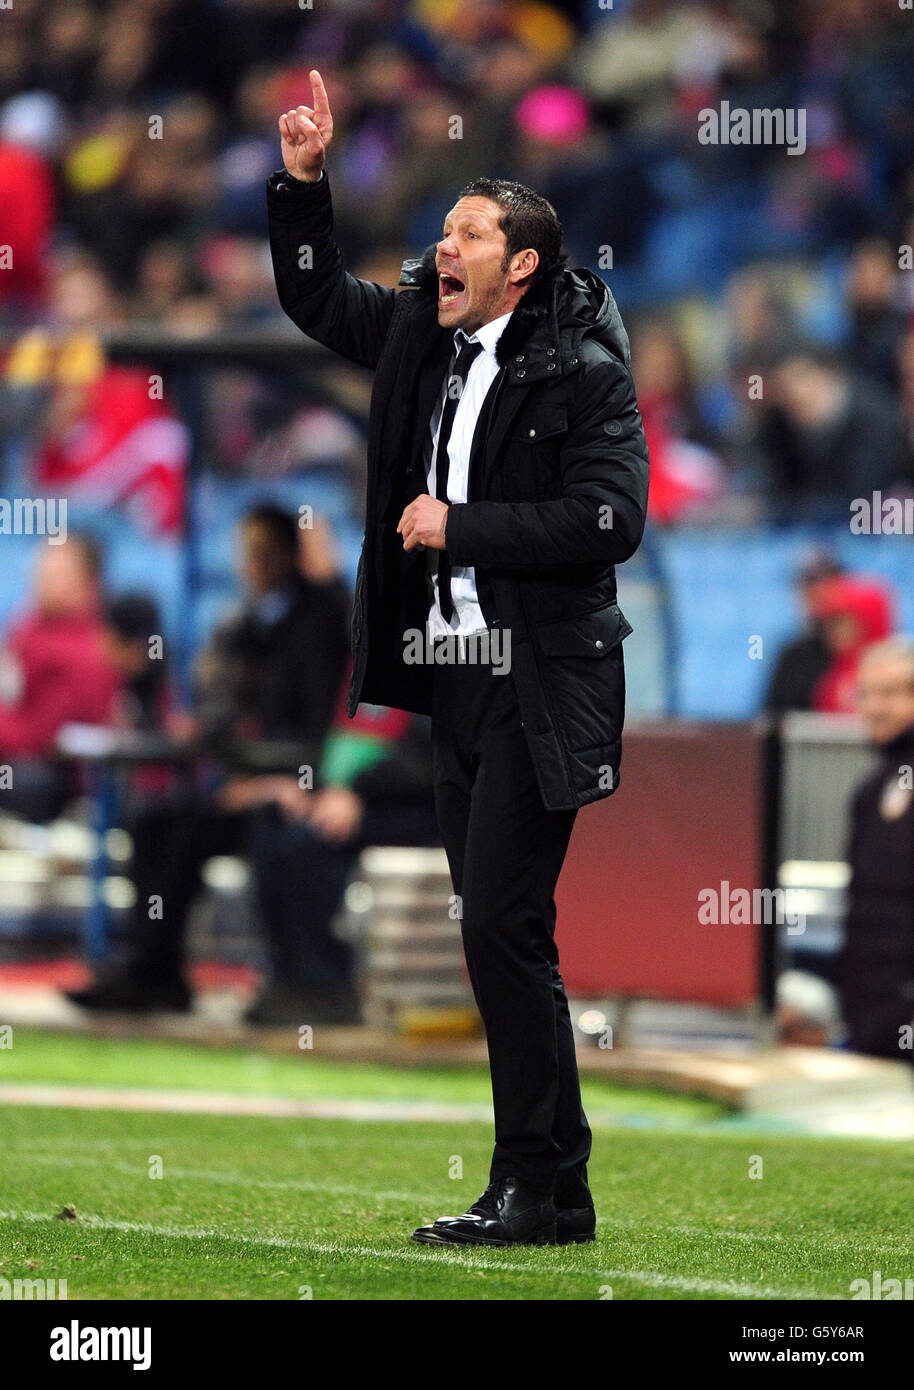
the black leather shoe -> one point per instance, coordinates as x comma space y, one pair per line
575, 1225
508, 1213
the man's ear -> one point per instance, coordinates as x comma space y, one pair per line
523, 264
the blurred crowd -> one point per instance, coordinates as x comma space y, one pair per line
768, 295
261, 761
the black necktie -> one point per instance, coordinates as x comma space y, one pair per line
455, 385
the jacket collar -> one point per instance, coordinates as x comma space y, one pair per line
488, 335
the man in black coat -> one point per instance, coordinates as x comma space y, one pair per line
507, 475
877, 962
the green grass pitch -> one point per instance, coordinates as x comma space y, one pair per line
249, 1207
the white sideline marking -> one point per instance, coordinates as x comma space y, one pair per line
442, 1255
226, 1103
270, 1107
418, 1199
207, 1175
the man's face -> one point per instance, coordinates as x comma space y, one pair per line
262, 562
842, 632
886, 698
63, 584
474, 284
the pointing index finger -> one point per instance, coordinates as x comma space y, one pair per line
319, 94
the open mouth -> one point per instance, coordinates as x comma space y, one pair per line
449, 288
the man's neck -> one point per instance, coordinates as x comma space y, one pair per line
496, 325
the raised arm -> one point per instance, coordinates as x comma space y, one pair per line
348, 315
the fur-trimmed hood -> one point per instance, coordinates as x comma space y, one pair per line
547, 327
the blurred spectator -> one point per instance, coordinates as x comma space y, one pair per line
802, 662
374, 788
879, 317
55, 669
132, 625
877, 963
906, 385
566, 156
852, 614
166, 278
238, 274
112, 440
685, 472
81, 297
641, 56
129, 184
760, 325
146, 702
808, 1010
157, 121
271, 672
30, 127
831, 436
273, 668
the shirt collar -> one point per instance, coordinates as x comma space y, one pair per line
488, 334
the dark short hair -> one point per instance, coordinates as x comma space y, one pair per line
527, 219
90, 553
282, 525
133, 617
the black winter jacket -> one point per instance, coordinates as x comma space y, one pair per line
558, 487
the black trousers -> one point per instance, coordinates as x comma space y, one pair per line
172, 841
173, 837
505, 852
300, 880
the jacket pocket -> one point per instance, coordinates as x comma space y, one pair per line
544, 422
530, 472
593, 634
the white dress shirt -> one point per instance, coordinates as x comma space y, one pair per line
484, 368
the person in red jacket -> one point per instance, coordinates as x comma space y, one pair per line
54, 670
853, 613
28, 200
33, 129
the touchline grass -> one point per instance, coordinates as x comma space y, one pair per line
261, 1208
251, 1208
